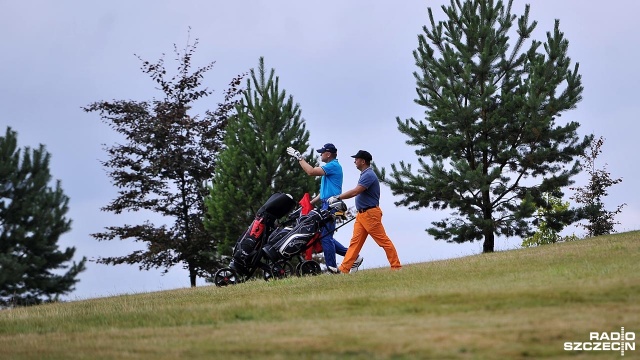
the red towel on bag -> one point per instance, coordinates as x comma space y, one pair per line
306, 204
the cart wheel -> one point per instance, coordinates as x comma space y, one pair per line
310, 267
266, 275
281, 270
297, 269
224, 277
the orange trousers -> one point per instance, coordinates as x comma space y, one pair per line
369, 223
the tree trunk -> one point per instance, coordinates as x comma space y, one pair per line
487, 230
192, 275
489, 236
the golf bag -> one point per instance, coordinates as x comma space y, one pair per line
295, 239
247, 251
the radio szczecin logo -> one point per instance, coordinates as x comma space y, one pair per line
606, 341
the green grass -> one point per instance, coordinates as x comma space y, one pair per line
517, 304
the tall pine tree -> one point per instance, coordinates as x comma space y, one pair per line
491, 137
32, 219
162, 167
254, 164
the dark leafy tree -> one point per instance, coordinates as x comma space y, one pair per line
491, 136
254, 163
32, 219
163, 165
600, 221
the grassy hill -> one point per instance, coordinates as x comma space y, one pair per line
517, 304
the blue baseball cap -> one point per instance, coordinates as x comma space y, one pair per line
328, 147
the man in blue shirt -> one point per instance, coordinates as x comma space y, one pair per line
369, 218
330, 185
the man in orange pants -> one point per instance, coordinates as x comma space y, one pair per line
369, 217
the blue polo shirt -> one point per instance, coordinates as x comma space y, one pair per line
371, 196
331, 181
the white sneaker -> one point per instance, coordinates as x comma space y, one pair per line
356, 264
333, 270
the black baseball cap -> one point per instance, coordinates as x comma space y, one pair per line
362, 154
328, 147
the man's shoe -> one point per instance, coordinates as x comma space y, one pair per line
356, 264
333, 270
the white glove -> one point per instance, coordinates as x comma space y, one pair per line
294, 153
333, 199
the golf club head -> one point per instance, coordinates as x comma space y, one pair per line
338, 206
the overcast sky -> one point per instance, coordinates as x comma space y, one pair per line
348, 64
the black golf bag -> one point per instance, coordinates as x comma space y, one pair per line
292, 240
247, 251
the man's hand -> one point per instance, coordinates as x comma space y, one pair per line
333, 199
294, 153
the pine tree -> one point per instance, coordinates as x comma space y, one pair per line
600, 221
491, 137
254, 164
163, 167
32, 219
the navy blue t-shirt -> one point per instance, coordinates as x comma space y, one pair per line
371, 196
